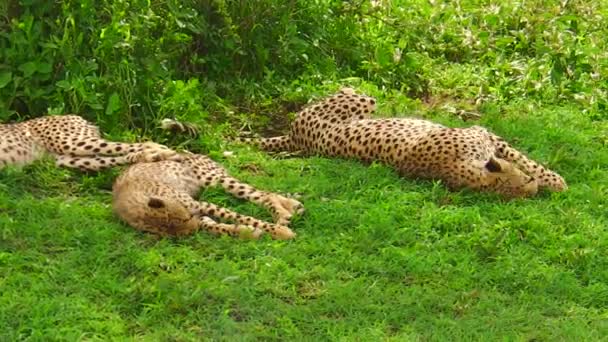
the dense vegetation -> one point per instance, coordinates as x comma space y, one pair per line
125, 63
377, 257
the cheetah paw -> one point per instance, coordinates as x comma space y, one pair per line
284, 208
244, 232
281, 232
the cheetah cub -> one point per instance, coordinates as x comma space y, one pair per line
341, 126
65, 136
158, 197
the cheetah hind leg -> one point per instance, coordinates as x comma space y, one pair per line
236, 230
89, 147
90, 163
282, 208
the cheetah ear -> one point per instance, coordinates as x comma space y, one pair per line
493, 166
156, 203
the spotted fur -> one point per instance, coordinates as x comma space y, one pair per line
69, 135
158, 197
341, 126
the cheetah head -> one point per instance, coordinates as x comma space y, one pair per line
170, 217
503, 177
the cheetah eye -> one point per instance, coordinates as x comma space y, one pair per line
493, 166
155, 203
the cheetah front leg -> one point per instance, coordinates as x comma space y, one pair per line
209, 209
235, 230
282, 208
545, 177
173, 226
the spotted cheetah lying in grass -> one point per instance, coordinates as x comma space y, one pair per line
155, 194
64, 136
341, 126
157, 197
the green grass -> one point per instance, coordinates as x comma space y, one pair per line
377, 257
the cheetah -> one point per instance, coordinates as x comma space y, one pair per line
158, 197
64, 136
341, 126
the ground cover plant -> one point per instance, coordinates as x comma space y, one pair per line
377, 257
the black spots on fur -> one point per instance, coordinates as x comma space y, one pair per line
155, 203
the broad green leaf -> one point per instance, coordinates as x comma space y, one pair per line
383, 54
64, 84
113, 104
5, 78
28, 68
45, 68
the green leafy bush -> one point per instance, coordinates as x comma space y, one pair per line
126, 63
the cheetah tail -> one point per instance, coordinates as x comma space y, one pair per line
281, 143
275, 144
